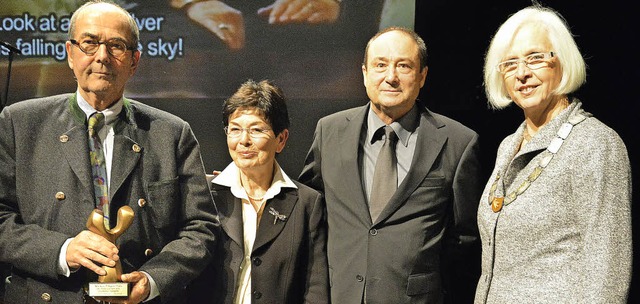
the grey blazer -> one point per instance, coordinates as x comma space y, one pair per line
567, 237
420, 247
46, 196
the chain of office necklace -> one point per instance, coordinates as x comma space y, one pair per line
498, 202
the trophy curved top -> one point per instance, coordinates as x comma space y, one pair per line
95, 223
125, 218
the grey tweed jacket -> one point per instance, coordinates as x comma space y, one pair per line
567, 238
46, 196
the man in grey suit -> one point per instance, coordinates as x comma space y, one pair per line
422, 244
153, 165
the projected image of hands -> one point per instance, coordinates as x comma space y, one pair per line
228, 23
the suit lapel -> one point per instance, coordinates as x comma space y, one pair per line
73, 140
75, 145
128, 153
430, 141
125, 148
230, 213
282, 206
348, 146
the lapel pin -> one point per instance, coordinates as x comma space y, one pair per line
277, 216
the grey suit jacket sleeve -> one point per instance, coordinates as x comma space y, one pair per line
461, 243
311, 174
28, 247
182, 259
467, 187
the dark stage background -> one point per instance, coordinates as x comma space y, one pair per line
325, 75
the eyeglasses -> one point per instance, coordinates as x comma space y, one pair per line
533, 62
115, 47
254, 132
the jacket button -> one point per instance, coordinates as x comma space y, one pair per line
373, 231
142, 202
136, 148
64, 138
257, 261
257, 294
46, 297
359, 278
60, 196
148, 252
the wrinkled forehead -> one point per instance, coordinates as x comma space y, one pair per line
100, 19
393, 43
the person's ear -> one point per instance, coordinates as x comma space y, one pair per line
135, 60
68, 46
423, 75
282, 140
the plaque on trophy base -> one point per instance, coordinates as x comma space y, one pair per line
115, 289
109, 285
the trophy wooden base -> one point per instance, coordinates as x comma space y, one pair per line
116, 289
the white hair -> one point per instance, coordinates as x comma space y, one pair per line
563, 45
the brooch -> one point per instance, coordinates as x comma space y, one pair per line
277, 216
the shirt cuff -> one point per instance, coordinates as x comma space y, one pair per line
63, 268
154, 289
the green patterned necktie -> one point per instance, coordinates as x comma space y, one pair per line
98, 167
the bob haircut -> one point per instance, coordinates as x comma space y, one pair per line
264, 97
563, 45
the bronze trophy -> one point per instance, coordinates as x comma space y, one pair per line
109, 285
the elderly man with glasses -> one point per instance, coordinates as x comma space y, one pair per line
57, 168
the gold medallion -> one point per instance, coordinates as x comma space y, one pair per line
496, 204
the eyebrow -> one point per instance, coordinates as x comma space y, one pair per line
397, 60
90, 35
530, 52
381, 58
251, 124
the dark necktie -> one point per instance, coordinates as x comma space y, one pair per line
385, 176
98, 167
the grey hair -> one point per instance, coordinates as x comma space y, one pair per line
562, 42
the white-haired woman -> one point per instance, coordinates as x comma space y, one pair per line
554, 218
